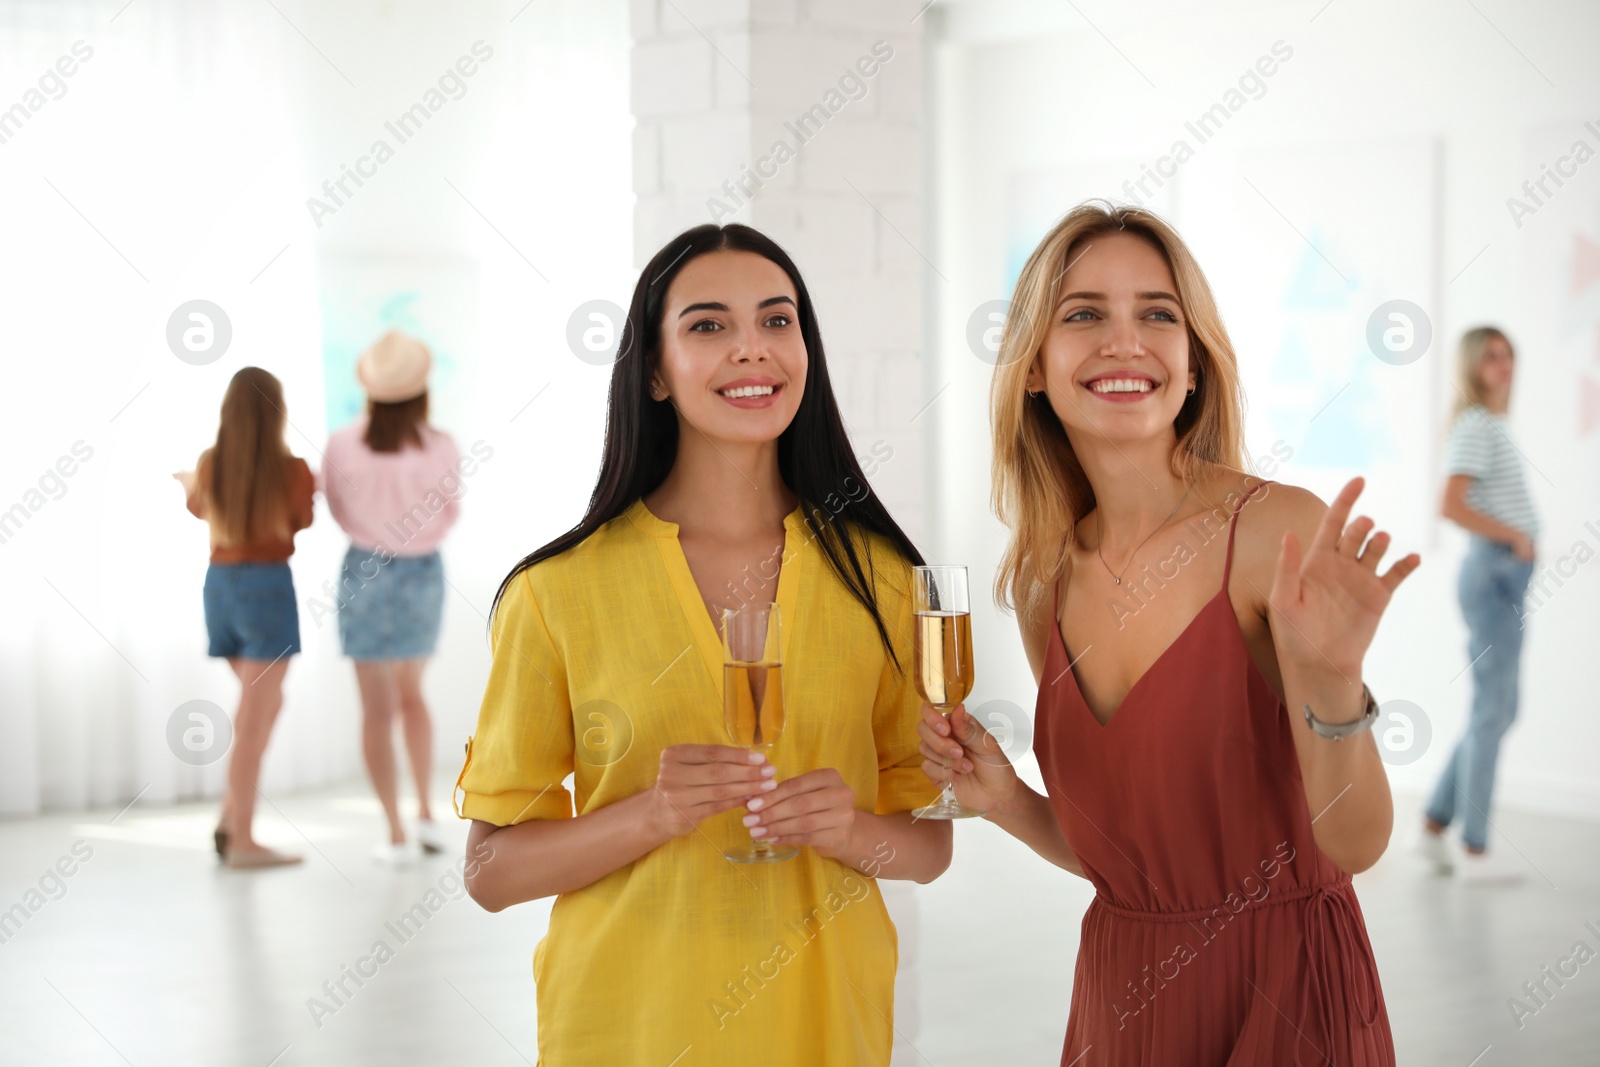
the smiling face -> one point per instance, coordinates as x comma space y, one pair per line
1115, 361
733, 360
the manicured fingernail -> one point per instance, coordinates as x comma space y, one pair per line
752, 820
755, 805
757, 831
944, 731
769, 771
966, 766
756, 757
768, 786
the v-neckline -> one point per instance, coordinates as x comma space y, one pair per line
692, 604
1116, 712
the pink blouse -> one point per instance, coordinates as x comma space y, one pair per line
402, 502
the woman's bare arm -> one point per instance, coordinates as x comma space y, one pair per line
1323, 608
959, 748
544, 857
1028, 817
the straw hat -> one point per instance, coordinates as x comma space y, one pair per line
395, 368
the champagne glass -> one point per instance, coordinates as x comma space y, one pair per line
752, 699
944, 659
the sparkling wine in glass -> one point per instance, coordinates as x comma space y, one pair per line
944, 659
752, 699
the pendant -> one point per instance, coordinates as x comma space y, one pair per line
1117, 580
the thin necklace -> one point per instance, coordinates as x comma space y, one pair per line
1115, 577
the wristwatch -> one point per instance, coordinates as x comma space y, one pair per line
1340, 731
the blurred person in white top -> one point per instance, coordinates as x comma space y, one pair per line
1486, 493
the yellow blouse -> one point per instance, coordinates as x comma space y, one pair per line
604, 656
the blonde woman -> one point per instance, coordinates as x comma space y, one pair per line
1198, 642
1486, 495
254, 496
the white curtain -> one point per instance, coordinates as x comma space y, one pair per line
174, 165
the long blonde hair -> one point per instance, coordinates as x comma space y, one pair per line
1040, 490
1469, 361
247, 492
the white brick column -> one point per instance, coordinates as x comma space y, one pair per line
803, 119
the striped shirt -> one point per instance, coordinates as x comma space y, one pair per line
1480, 447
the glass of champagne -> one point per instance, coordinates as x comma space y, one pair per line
752, 699
944, 659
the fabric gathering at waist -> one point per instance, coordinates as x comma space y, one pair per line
1272, 899
1332, 935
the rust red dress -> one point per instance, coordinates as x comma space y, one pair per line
1219, 934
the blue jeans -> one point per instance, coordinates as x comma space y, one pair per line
251, 611
1492, 585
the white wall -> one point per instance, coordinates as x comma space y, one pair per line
181, 156
190, 142
1032, 87
719, 89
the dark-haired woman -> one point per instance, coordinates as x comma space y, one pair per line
393, 484
727, 479
255, 497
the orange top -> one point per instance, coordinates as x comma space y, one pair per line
265, 550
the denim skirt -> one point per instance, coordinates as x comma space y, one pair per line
390, 608
250, 611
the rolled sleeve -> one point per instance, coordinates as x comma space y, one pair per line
522, 752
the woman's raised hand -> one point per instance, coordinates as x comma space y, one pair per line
958, 749
1325, 607
696, 782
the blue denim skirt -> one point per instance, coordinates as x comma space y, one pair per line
390, 610
250, 611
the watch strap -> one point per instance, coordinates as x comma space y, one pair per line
1342, 730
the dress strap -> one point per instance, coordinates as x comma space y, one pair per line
1233, 523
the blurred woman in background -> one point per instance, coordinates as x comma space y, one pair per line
255, 496
393, 484
1486, 495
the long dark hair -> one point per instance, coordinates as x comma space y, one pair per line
392, 427
814, 457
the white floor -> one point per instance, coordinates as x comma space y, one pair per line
148, 953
